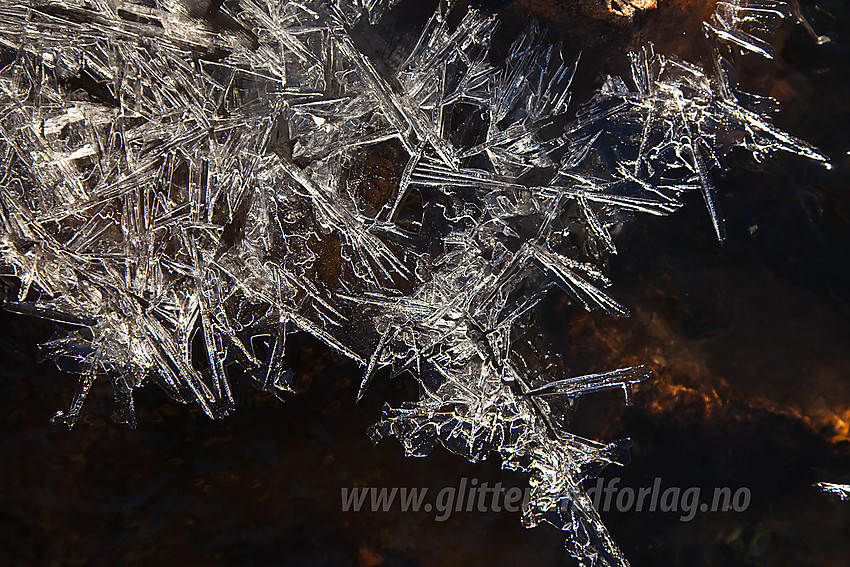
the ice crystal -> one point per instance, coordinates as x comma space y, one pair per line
840, 490
175, 173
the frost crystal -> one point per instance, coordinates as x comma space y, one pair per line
175, 179
840, 490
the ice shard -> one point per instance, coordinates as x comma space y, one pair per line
840, 490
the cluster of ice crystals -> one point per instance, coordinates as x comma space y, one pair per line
181, 190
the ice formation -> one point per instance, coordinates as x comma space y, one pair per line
840, 490
175, 178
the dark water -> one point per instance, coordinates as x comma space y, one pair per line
749, 343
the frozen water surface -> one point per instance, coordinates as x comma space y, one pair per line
181, 194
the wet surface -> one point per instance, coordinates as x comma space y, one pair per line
749, 344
